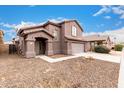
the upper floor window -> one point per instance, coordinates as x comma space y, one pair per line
55, 33
74, 31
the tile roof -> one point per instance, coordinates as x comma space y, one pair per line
48, 22
96, 38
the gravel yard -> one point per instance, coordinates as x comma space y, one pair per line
20, 72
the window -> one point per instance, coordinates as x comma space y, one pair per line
74, 31
55, 33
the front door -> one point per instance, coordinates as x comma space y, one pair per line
40, 47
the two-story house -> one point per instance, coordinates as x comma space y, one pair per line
51, 38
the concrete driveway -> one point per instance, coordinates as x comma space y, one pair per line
106, 57
112, 57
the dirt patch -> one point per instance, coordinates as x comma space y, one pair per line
16, 71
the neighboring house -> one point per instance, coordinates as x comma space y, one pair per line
51, 38
94, 40
1, 37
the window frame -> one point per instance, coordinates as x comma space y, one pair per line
55, 34
74, 31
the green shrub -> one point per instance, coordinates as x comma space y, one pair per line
118, 47
101, 49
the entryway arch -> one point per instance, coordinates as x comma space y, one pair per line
38, 43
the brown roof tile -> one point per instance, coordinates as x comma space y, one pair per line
96, 38
48, 22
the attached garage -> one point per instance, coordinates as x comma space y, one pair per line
77, 48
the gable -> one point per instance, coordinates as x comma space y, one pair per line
33, 31
68, 28
74, 22
39, 34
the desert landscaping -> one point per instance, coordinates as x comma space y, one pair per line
17, 71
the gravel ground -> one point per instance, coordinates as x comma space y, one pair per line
20, 72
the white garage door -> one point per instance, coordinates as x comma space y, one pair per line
77, 48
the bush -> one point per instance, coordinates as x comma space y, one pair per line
101, 49
118, 47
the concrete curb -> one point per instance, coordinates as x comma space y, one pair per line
121, 72
52, 60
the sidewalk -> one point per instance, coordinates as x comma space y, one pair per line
105, 57
121, 72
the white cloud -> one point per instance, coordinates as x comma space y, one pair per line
9, 33
15, 26
107, 17
57, 20
122, 16
118, 33
7, 25
27, 23
24, 24
119, 10
104, 9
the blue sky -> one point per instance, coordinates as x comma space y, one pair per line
92, 18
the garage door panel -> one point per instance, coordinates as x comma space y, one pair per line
77, 48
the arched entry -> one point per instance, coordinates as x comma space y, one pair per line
40, 46
39, 43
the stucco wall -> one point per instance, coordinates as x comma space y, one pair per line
87, 46
68, 30
56, 47
21, 46
62, 39
56, 43
52, 28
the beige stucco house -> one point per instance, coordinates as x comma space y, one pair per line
51, 38
94, 40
